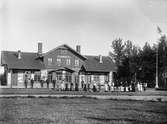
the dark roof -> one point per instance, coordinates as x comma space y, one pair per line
28, 60
92, 64
69, 48
60, 69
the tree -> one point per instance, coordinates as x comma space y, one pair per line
148, 61
117, 54
118, 51
128, 48
135, 63
126, 56
162, 58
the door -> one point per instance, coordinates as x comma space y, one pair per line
20, 80
14, 79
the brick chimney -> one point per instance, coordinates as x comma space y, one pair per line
19, 54
40, 48
100, 59
78, 48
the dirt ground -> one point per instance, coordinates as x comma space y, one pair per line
148, 92
80, 111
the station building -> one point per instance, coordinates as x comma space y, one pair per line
63, 64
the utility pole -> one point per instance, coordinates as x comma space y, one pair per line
156, 80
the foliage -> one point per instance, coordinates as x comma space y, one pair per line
118, 52
136, 64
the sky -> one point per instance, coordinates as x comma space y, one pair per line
93, 24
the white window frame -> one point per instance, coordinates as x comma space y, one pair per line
50, 61
76, 62
68, 61
58, 61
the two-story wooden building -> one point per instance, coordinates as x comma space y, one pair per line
63, 64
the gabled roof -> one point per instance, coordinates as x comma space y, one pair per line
92, 64
67, 47
28, 60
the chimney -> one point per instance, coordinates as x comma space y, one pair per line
100, 59
40, 48
19, 54
78, 48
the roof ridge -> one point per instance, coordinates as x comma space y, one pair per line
16, 51
68, 47
95, 55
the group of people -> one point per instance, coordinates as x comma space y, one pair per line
131, 87
90, 86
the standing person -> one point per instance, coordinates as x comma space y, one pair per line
54, 83
133, 87
124, 85
76, 86
66, 85
130, 88
94, 88
141, 87
26, 80
82, 84
71, 86
138, 86
47, 82
54, 79
41, 81
106, 86
145, 86
32, 80
88, 85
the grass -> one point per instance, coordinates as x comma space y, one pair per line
80, 111
148, 92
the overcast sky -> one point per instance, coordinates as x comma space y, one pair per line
93, 24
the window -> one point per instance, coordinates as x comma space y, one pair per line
49, 61
59, 76
96, 78
37, 76
76, 62
58, 61
68, 78
68, 61
63, 51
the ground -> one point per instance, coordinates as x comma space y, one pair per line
148, 92
80, 111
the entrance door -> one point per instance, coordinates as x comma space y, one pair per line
20, 80
14, 79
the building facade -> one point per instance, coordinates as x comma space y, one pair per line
61, 68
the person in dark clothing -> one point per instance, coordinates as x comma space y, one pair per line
32, 80
144, 86
82, 84
41, 81
76, 86
26, 81
66, 86
133, 87
94, 88
54, 83
71, 86
32, 83
84, 87
88, 86
47, 82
